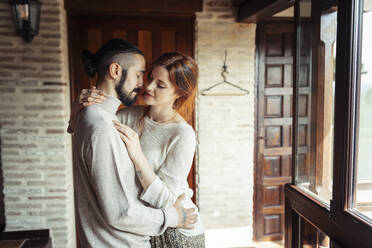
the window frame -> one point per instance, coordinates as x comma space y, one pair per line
344, 227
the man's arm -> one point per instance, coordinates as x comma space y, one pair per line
111, 169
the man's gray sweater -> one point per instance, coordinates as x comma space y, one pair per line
108, 208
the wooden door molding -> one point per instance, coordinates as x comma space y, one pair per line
154, 35
138, 6
273, 127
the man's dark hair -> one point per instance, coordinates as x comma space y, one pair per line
115, 50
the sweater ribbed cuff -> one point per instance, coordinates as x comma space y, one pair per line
151, 194
172, 216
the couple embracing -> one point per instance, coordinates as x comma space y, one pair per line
131, 165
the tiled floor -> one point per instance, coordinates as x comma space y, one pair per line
235, 238
277, 244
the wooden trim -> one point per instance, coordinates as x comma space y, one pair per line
34, 238
295, 93
334, 244
143, 6
292, 234
255, 11
70, 57
42, 233
256, 169
82, 12
2, 203
276, 19
345, 19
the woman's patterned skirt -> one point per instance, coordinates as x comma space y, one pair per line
172, 238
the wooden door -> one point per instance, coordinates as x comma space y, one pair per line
273, 134
154, 35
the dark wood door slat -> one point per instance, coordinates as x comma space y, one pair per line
273, 161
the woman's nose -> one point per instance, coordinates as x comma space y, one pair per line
150, 85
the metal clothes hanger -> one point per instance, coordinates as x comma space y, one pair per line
223, 74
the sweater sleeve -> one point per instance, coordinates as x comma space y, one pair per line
129, 116
110, 169
172, 175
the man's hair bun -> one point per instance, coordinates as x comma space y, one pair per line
89, 62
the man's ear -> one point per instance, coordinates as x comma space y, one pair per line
114, 70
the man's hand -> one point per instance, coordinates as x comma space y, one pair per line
186, 217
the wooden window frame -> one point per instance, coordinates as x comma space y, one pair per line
344, 227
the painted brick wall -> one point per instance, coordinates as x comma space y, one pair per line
225, 123
34, 110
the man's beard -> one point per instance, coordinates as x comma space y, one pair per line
125, 97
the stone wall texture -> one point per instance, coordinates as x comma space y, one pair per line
225, 124
34, 111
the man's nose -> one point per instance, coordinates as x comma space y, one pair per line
140, 82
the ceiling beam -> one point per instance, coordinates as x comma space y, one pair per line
253, 11
137, 6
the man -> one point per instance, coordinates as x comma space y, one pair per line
109, 212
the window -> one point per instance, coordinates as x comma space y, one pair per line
331, 194
316, 39
362, 185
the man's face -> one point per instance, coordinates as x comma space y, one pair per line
131, 81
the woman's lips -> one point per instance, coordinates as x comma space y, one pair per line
148, 95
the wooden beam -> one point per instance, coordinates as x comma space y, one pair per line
253, 11
139, 6
2, 204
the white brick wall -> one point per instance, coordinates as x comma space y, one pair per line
34, 110
225, 125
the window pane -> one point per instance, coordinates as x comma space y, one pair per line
315, 98
363, 173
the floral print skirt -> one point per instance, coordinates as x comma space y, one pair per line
172, 238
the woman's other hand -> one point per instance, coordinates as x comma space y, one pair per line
130, 138
87, 97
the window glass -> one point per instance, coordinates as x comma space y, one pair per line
316, 41
363, 166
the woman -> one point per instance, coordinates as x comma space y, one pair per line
160, 142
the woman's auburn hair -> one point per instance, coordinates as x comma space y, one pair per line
184, 75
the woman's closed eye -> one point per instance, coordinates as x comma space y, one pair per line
160, 86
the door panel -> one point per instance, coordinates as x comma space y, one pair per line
153, 35
273, 162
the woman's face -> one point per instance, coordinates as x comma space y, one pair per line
159, 90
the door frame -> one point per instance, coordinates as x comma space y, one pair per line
71, 14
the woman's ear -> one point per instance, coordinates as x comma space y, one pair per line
179, 95
114, 70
